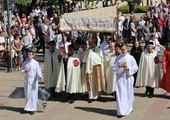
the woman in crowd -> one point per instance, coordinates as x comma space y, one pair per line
17, 46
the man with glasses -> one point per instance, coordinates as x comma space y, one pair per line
124, 66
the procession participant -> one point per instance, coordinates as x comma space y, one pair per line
77, 46
104, 45
82, 55
125, 66
136, 52
109, 58
32, 73
62, 45
94, 71
165, 83
51, 66
83, 51
74, 84
149, 70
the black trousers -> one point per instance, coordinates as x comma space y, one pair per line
149, 90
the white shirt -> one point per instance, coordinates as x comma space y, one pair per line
2, 39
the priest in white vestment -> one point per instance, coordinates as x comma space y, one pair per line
32, 73
125, 66
74, 83
149, 73
94, 72
52, 66
82, 58
109, 58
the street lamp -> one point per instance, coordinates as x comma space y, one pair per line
8, 15
131, 6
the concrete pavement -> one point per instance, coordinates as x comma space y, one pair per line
12, 103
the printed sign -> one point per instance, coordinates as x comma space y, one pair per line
87, 24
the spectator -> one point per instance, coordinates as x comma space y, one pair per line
26, 43
23, 19
17, 46
2, 45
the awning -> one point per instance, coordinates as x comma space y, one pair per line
94, 20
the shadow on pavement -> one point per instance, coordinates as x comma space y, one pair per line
15, 109
164, 96
63, 97
17, 93
140, 95
106, 99
98, 110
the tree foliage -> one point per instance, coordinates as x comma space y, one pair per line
24, 3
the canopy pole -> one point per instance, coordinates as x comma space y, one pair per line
117, 23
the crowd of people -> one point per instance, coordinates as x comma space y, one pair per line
91, 63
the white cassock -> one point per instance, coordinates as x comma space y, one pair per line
74, 84
149, 73
51, 68
104, 46
61, 81
109, 58
31, 84
124, 83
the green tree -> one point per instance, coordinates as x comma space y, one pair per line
24, 3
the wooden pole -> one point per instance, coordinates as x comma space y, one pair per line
117, 23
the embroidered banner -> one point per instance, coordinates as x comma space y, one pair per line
87, 24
